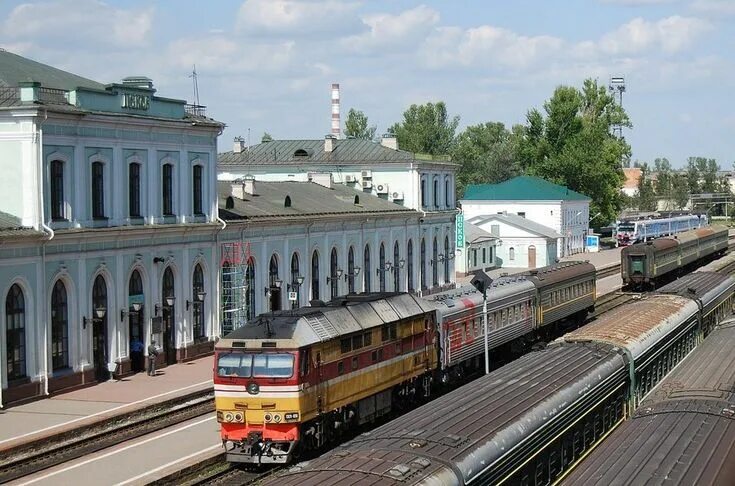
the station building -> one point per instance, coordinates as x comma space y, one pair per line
558, 208
108, 228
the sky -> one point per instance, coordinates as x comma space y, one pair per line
267, 65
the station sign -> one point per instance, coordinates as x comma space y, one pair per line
592, 243
460, 231
293, 296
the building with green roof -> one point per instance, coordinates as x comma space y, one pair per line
554, 206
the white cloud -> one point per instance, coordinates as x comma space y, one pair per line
671, 35
714, 7
223, 54
296, 18
77, 22
395, 32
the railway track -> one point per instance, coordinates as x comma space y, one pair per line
45, 453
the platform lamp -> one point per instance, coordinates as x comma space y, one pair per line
481, 281
277, 284
199, 297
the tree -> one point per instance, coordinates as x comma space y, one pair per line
680, 191
266, 137
356, 126
426, 129
646, 192
664, 181
692, 176
571, 143
486, 153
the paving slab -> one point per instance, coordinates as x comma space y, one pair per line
68, 411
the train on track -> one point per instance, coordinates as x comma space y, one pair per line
636, 231
299, 379
645, 265
532, 420
684, 433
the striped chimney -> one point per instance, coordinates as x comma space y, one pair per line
336, 124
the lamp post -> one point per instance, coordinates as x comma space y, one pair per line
482, 282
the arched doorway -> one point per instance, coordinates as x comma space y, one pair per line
333, 274
198, 296
409, 266
59, 327
168, 300
15, 334
274, 284
99, 328
136, 300
249, 290
531, 256
296, 280
447, 277
396, 267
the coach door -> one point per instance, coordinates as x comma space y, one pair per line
531, 256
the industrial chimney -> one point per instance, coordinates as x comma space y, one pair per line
335, 110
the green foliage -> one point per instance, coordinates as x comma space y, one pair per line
680, 191
356, 125
266, 137
426, 129
486, 154
572, 144
646, 198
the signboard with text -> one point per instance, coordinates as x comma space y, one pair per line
592, 243
460, 231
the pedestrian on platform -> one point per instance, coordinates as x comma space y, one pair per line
152, 353
136, 354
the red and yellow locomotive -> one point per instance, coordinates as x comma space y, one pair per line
300, 378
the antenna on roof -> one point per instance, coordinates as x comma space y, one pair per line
193, 76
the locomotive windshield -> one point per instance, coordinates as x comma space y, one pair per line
248, 365
626, 227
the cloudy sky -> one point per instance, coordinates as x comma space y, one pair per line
267, 65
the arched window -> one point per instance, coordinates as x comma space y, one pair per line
423, 192
315, 276
134, 190
57, 190
168, 293
15, 333
167, 190
447, 193
99, 328
422, 266
59, 327
511, 253
273, 284
197, 292
366, 270
287, 202
135, 318
409, 266
396, 267
435, 190
295, 285
351, 270
447, 278
333, 277
357, 200
197, 190
381, 267
98, 190
435, 264
250, 289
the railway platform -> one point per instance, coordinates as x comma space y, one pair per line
67, 412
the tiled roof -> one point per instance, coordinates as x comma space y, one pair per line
11, 226
351, 151
522, 188
474, 233
518, 222
15, 69
307, 199
632, 175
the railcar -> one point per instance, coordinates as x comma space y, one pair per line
648, 264
303, 376
631, 232
533, 419
684, 433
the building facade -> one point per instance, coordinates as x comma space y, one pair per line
521, 243
556, 207
478, 250
111, 221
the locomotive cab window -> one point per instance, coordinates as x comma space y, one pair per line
247, 365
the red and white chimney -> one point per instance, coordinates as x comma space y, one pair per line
336, 123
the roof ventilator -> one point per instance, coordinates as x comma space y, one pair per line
399, 471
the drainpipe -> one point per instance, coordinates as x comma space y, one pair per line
50, 233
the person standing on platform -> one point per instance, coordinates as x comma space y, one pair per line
136, 355
152, 353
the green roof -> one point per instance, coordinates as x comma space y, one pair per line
522, 188
15, 69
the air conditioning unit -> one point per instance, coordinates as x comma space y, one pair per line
397, 196
367, 184
349, 179
367, 174
382, 188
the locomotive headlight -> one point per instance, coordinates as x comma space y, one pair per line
268, 417
276, 418
239, 417
291, 416
229, 416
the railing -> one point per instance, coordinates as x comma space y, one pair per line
196, 110
9, 96
52, 95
